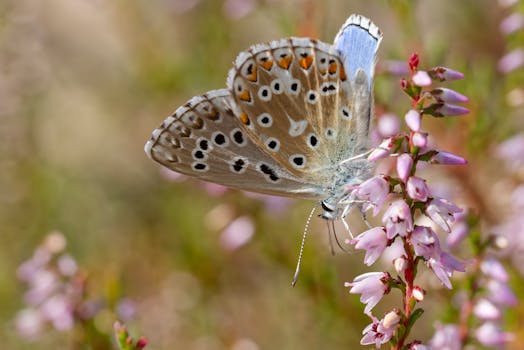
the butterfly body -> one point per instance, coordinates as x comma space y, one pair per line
294, 117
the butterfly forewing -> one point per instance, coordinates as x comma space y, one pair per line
294, 98
204, 139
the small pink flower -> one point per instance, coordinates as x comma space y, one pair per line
420, 139
417, 189
446, 337
29, 323
445, 74
413, 120
459, 231
422, 78
237, 233
425, 242
490, 334
400, 264
450, 110
388, 125
486, 310
374, 192
512, 23
511, 61
372, 285
380, 332
442, 211
448, 95
500, 293
374, 241
447, 158
444, 265
418, 293
382, 151
404, 165
397, 219
493, 268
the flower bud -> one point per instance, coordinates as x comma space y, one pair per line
448, 95
412, 118
404, 165
445, 74
420, 139
447, 158
421, 78
400, 264
446, 109
418, 293
391, 319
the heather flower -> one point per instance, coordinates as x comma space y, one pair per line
422, 78
397, 219
237, 233
486, 310
444, 265
500, 293
445, 74
442, 211
494, 269
511, 61
372, 285
512, 23
380, 332
490, 334
382, 151
450, 110
425, 242
417, 189
413, 120
447, 158
447, 95
447, 337
374, 192
388, 125
459, 231
374, 241
404, 165
420, 139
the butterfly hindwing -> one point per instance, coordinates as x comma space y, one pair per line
204, 139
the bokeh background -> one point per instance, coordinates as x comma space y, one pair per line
194, 266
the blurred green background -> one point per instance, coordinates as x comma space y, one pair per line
84, 82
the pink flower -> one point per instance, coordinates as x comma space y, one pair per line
372, 285
422, 78
511, 61
397, 219
417, 189
442, 211
450, 110
446, 337
374, 241
374, 192
445, 74
512, 23
380, 332
404, 165
448, 95
494, 269
447, 158
444, 265
382, 151
486, 310
412, 118
459, 231
420, 139
388, 125
500, 293
425, 242
490, 334
237, 233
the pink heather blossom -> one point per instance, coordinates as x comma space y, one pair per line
420, 139
445, 74
446, 337
388, 125
29, 323
397, 219
448, 95
485, 310
425, 242
400, 264
380, 332
442, 211
404, 165
447, 158
444, 265
511, 61
494, 269
413, 120
374, 241
512, 23
382, 151
490, 334
372, 286
418, 293
417, 188
421, 78
500, 293
511, 151
374, 192
59, 311
450, 110
237, 233
459, 231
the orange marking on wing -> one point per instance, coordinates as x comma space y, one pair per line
285, 62
253, 77
267, 64
343, 75
323, 71
245, 96
244, 118
306, 62
333, 68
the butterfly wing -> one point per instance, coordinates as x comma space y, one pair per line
204, 139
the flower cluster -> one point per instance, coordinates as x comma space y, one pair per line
408, 197
56, 295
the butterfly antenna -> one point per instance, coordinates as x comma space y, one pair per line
336, 238
331, 231
304, 235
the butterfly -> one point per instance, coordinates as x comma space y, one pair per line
293, 121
